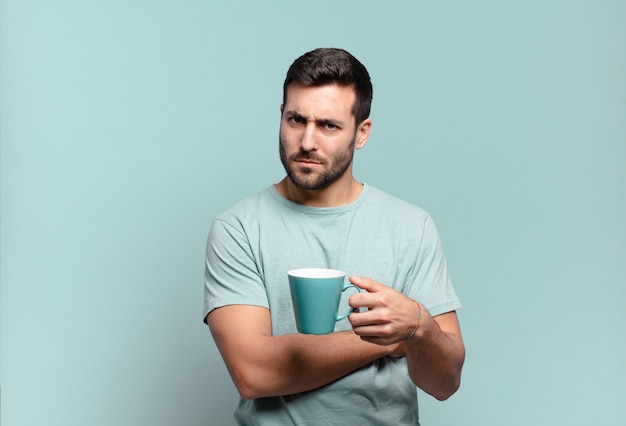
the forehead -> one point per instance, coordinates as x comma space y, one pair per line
326, 100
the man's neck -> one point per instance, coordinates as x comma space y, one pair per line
338, 194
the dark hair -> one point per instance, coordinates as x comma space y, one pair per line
330, 65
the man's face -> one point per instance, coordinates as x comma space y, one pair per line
318, 135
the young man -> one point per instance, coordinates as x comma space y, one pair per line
406, 332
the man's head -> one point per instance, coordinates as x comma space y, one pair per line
333, 66
323, 120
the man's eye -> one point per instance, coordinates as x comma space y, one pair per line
296, 120
330, 126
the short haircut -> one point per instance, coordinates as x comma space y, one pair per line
330, 65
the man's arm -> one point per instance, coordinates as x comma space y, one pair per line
435, 352
263, 365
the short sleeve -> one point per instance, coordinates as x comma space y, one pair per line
231, 275
432, 283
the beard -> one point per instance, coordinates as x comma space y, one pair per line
305, 177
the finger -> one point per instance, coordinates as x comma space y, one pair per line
367, 284
379, 341
381, 334
374, 296
365, 318
363, 300
369, 330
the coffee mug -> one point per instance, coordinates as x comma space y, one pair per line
315, 294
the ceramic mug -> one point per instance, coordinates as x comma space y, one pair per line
315, 294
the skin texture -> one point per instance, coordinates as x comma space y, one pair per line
318, 136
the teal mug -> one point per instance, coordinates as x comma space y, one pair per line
315, 294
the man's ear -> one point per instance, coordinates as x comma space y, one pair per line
282, 108
363, 133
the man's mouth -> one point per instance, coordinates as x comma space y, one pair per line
307, 160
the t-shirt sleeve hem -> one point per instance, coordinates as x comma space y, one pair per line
209, 307
444, 308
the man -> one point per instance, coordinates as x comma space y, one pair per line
405, 332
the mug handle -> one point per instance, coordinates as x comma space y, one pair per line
345, 287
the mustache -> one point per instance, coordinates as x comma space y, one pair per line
307, 156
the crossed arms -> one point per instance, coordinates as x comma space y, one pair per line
263, 365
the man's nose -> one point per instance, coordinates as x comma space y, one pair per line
308, 142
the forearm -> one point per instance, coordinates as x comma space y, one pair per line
296, 363
262, 364
435, 358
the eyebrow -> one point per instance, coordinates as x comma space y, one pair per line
319, 121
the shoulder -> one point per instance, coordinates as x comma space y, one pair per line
248, 209
390, 205
242, 223
408, 221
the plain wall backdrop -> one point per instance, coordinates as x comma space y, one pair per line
126, 126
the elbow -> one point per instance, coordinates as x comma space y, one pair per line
449, 383
442, 397
447, 392
447, 388
440, 388
249, 386
247, 393
245, 387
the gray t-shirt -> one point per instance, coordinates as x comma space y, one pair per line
252, 246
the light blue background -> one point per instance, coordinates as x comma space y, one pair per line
126, 126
